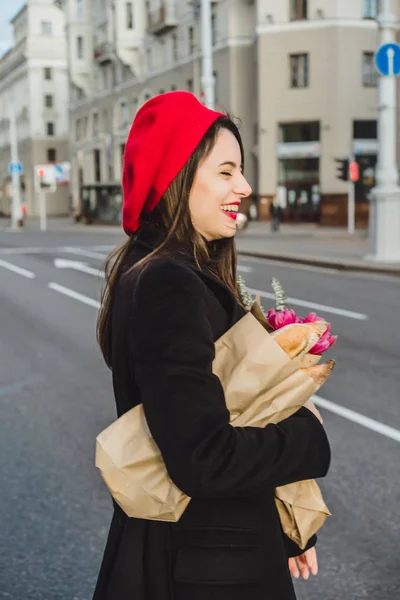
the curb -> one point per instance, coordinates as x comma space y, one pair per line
327, 263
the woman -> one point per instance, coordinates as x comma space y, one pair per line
171, 293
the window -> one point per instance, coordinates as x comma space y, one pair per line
149, 59
50, 128
129, 15
85, 123
96, 124
190, 85
298, 10
48, 73
365, 130
51, 155
369, 73
173, 88
78, 130
79, 9
299, 70
124, 113
174, 47
97, 167
48, 101
299, 132
79, 47
370, 9
191, 40
46, 28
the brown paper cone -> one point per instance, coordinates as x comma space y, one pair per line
262, 385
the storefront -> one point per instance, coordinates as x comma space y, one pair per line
298, 153
101, 202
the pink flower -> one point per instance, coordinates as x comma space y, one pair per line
326, 341
278, 319
314, 318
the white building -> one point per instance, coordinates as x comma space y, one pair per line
121, 53
34, 81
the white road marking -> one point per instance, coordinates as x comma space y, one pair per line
62, 263
22, 250
75, 295
313, 305
57, 249
83, 252
355, 417
103, 248
244, 269
18, 270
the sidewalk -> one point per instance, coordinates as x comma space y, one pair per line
306, 244
312, 245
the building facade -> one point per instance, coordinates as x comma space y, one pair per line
299, 74
318, 101
34, 80
121, 53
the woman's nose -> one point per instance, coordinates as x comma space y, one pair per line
243, 188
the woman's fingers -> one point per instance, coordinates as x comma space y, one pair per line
293, 568
303, 566
311, 558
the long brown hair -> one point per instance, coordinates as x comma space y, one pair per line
172, 216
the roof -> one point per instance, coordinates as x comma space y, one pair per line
15, 17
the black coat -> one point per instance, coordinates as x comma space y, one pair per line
229, 543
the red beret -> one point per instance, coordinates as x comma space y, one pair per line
165, 133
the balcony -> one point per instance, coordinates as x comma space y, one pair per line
104, 52
162, 19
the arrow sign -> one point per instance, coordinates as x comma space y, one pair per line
62, 263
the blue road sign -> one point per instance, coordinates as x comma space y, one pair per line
387, 59
15, 167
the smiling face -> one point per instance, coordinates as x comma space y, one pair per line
218, 189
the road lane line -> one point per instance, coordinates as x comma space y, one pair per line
18, 270
82, 252
75, 295
313, 305
62, 263
355, 417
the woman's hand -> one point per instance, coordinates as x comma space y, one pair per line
306, 562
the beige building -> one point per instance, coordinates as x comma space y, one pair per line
34, 80
317, 102
299, 74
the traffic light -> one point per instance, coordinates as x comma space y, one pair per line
342, 169
354, 171
44, 179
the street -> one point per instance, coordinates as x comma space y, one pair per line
56, 396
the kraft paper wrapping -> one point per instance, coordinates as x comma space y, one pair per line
262, 385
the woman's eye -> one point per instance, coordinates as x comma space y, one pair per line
226, 173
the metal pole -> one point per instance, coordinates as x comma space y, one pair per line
42, 209
207, 78
351, 208
16, 199
385, 209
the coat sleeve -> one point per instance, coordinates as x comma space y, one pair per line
172, 349
292, 549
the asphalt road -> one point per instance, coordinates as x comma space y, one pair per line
55, 396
